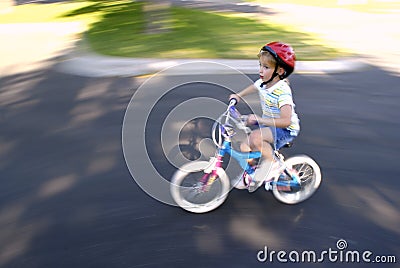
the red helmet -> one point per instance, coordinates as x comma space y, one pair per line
283, 54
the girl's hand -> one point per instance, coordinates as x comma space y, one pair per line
234, 96
252, 119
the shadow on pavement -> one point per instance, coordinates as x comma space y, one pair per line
67, 198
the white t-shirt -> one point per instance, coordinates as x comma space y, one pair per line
273, 98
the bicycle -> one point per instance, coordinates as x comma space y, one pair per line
202, 186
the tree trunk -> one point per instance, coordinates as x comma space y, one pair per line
157, 15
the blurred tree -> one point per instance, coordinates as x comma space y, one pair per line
157, 15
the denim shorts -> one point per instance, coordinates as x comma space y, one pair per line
281, 136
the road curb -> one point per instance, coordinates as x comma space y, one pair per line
89, 64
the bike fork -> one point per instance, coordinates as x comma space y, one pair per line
211, 173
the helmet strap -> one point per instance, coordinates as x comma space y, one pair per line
283, 76
274, 74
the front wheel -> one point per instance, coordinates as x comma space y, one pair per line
309, 174
190, 193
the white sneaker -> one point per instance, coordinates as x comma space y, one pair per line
239, 183
253, 185
265, 171
243, 181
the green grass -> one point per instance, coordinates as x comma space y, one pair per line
188, 33
120, 28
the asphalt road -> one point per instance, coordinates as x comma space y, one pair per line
67, 198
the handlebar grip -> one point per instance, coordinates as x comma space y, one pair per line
233, 102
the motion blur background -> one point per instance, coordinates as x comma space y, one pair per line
326, 30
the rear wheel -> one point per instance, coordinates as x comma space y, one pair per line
309, 174
190, 193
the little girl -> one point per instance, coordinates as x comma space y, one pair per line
279, 123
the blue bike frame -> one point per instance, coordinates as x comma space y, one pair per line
242, 158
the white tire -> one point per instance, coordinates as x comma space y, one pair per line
189, 195
310, 177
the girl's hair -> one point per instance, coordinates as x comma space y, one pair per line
269, 56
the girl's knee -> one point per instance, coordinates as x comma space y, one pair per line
255, 139
244, 147
255, 135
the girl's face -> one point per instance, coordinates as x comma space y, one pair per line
267, 67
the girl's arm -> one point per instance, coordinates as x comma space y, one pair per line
282, 122
248, 90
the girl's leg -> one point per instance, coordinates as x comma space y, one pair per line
261, 140
245, 147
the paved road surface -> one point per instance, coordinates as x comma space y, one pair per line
68, 200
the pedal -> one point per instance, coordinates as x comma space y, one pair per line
268, 185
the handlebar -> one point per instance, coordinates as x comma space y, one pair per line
231, 114
233, 102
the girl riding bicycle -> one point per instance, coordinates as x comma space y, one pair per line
279, 123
